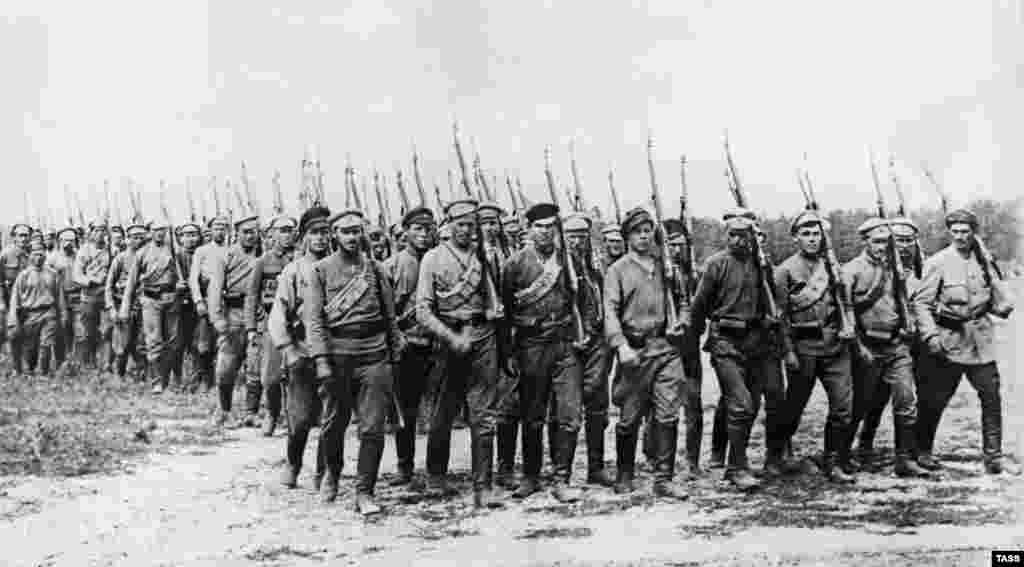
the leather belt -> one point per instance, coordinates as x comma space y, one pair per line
359, 330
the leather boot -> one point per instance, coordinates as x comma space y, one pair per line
532, 456
507, 433
737, 472
290, 476
666, 437
483, 493
329, 488
528, 486
253, 393
596, 473
773, 460
370, 452
273, 410
225, 393
625, 461
562, 491
834, 472
120, 365
552, 446
647, 444
44, 361
693, 440
905, 465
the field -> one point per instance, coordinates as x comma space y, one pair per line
98, 472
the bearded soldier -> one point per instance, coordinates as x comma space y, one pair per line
14, 258
198, 283
90, 273
454, 302
417, 360
153, 279
882, 332
740, 341
125, 333
816, 346
354, 341
954, 306
36, 309
188, 238
258, 301
62, 261
229, 275
288, 336
650, 379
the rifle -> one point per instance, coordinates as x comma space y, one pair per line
615, 195
568, 270
577, 202
522, 196
440, 202
451, 186
67, 204
417, 177
401, 192
687, 224
671, 282
170, 235
511, 193
899, 284
387, 202
382, 219
901, 210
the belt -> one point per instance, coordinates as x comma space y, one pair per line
359, 330
36, 309
956, 324
457, 325
638, 339
157, 292
808, 333
873, 337
236, 302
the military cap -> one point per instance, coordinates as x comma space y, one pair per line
903, 226
804, 218
510, 220
71, 231
36, 244
246, 219
739, 212
962, 216
418, 215
375, 233
117, 228
576, 222
460, 208
634, 218
314, 217
490, 210
542, 212
739, 222
278, 221
189, 226
218, 220
16, 226
873, 224
612, 232
346, 218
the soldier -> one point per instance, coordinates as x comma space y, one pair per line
117, 240
650, 379
539, 302
36, 309
49, 240
815, 346
125, 334
90, 272
954, 305
458, 307
198, 283
444, 231
379, 245
397, 235
188, 239
62, 261
740, 341
512, 227
614, 246
354, 341
288, 335
418, 358
595, 357
15, 259
229, 274
882, 333
258, 301
153, 279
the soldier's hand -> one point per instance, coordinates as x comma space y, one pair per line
201, 308
934, 345
122, 315
250, 337
792, 361
182, 286
323, 369
221, 326
627, 355
847, 333
461, 343
290, 355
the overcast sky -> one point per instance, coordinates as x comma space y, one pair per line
99, 89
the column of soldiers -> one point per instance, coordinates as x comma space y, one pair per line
477, 318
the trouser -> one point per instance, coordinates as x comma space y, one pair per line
206, 350
95, 325
693, 409
746, 371
37, 337
938, 380
834, 373
471, 379
125, 340
231, 351
304, 407
358, 381
270, 374
415, 366
160, 327
64, 342
891, 371
185, 347
549, 373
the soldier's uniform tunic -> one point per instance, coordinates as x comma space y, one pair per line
153, 279
198, 285
258, 301
187, 320
63, 264
126, 334
36, 309
229, 275
14, 260
90, 273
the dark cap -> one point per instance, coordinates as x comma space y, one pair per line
314, 217
962, 216
541, 211
634, 218
418, 215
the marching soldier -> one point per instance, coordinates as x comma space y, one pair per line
288, 336
513, 228
595, 356
49, 240
954, 305
740, 341
90, 272
650, 380
458, 307
258, 301
379, 245
117, 239
153, 279
614, 246
188, 238
229, 274
397, 235
815, 345
62, 261
354, 341
36, 309
15, 259
418, 357
125, 333
878, 320
198, 283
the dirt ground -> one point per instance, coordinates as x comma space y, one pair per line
101, 473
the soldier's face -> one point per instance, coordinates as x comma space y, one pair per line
135, 240
640, 238
67, 243
99, 235
160, 236
284, 236
512, 233
614, 248
961, 234
676, 249
905, 244
463, 230
37, 255
317, 239
739, 240
420, 235
349, 238
21, 238
116, 239
878, 243
380, 251
189, 239
48, 241
490, 227
218, 233
543, 234
808, 239
577, 241
248, 236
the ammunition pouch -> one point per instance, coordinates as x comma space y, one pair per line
234, 302
732, 328
638, 339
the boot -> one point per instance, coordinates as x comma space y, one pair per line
437, 486
552, 446
532, 455
625, 461
743, 480
44, 361
529, 486
366, 505
737, 472
225, 393
562, 491
273, 410
693, 439
120, 365
329, 488
596, 473
483, 493
928, 462
370, 452
253, 393
773, 460
647, 444
507, 433
666, 438
834, 472
290, 476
